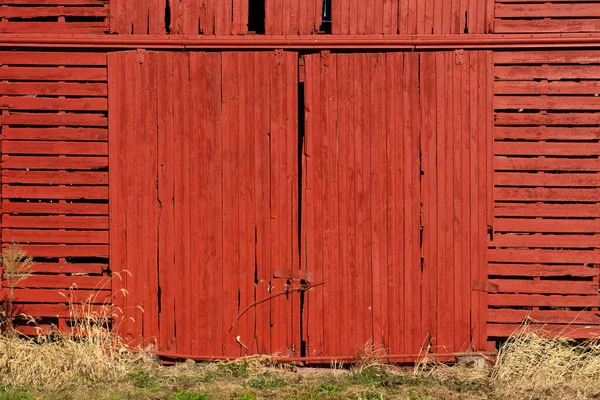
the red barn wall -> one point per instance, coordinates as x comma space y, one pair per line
55, 178
545, 247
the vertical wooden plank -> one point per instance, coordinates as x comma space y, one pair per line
150, 169
489, 129
353, 16
165, 196
339, 23
486, 200
330, 217
157, 18
352, 77
429, 16
342, 170
127, 27
393, 158
465, 266
462, 16
442, 337
472, 9
134, 194
246, 70
475, 163
186, 201
178, 210
307, 219
229, 125
223, 14
378, 17
386, 15
214, 151
191, 13
114, 16
291, 63
280, 238
362, 73
403, 17
437, 16
143, 199
489, 16
428, 195
117, 199
277, 16
451, 194
198, 189
207, 8
369, 12
410, 284
421, 28
379, 208
368, 138
262, 200
315, 148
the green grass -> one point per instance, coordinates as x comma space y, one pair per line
243, 380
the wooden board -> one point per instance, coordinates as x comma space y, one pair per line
54, 178
544, 250
554, 16
54, 16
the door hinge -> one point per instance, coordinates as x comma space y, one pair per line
485, 286
459, 56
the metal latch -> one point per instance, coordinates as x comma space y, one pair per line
292, 274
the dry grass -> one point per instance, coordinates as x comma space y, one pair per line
89, 351
532, 366
89, 361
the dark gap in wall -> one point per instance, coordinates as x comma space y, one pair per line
159, 301
168, 17
256, 16
326, 23
466, 29
301, 134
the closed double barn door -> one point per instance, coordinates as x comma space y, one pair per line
317, 206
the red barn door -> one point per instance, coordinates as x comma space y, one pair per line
395, 202
203, 196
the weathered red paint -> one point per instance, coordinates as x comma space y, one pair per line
395, 201
546, 16
546, 189
57, 147
207, 215
54, 16
439, 199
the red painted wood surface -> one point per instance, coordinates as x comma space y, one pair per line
543, 16
55, 180
545, 250
210, 17
411, 17
397, 240
54, 16
204, 197
302, 17
180, 17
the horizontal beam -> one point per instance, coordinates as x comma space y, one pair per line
334, 42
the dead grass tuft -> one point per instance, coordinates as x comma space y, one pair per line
530, 365
88, 351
